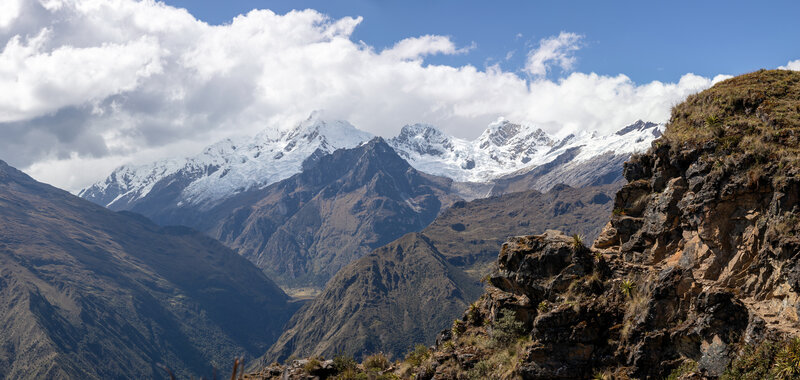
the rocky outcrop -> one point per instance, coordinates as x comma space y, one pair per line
697, 267
699, 258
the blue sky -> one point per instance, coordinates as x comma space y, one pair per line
645, 40
104, 83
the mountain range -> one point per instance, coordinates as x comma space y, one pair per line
505, 150
303, 203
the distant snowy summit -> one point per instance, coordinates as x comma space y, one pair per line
227, 167
235, 165
506, 148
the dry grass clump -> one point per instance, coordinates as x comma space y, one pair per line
377, 362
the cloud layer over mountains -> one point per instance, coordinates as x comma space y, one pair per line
93, 84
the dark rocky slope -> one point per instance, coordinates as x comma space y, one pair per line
89, 293
698, 266
376, 304
406, 292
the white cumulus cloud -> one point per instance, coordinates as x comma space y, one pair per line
558, 51
418, 47
9, 11
90, 84
792, 65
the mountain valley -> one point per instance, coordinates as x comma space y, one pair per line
407, 291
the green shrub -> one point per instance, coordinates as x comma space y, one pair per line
686, 367
419, 355
344, 362
787, 362
351, 374
577, 242
507, 329
598, 256
544, 306
474, 314
754, 363
481, 370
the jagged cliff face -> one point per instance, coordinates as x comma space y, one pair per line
700, 258
732, 223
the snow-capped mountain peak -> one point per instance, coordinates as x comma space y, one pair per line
506, 147
333, 134
229, 166
503, 148
503, 133
234, 165
640, 126
423, 139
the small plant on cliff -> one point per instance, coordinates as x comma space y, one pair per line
544, 306
419, 355
481, 370
506, 329
352, 374
474, 314
787, 363
713, 121
376, 362
458, 327
577, 242
754, 363
601, 376
627, 287
598, 256
787, 224
449, 346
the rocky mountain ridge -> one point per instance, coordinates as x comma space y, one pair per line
697, 263
694, 277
